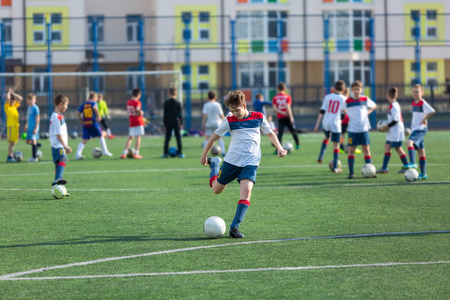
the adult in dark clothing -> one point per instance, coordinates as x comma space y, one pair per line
173, 121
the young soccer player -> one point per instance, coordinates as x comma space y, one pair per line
358, 109
173, 121
282, 106
90, 117
59, 138
12, 122
259, 104
396, 134
419, 126
212, 118
244, 153
331, 111
32, 126
103, 110
136, 129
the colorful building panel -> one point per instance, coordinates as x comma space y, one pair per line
432, 72
431, 23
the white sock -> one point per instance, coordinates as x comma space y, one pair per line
80, 149
103, 144
222, 145
136, 152
125, 151
108, 132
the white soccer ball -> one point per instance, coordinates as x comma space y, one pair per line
368, 171
381, 124
39, 154
407, 131
215, 150
288, 147
214, 227
411, 175
18, 156
330, 165
97, 152
59, 191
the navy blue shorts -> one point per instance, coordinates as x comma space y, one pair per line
358, 138
92, 132
394, 144
417, 136
57, 154
229, 172
335, 136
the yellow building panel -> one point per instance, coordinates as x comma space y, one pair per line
439, 74
424, 23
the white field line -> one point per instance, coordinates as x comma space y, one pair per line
232, 188
194, 169
13, 275
390, 264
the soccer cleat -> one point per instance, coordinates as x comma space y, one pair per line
39, 145
11, 160
275, 152
32, 159
319, 161
165, 156
217, 160
108, 154
67, 195
409, 166
123, 156
59, 181
337, 170
234, 233
357, 151
181, 155
422, 177
297, 147
137, 156
382, 171
111, 136
223, 154
401, 172
79, 157
351, 176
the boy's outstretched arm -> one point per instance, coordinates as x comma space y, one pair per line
273, 138
211, 141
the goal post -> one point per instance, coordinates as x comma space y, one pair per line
115, 86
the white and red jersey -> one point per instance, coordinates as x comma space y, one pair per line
396, 133
420, 110
281, 102
244, 149
357, 110
332, 106
58, 126
132, 106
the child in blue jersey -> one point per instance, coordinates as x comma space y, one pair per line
32, 126
419, 126
259, 104
243, 156
90, 118
58, 139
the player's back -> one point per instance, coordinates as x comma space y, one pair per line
332, 106
88, 113
133, 106
213, 111
281, 102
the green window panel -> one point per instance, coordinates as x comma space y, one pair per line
358, 45
257, 46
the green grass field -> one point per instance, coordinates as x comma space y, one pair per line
133, 229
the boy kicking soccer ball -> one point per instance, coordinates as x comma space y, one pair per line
419, 127
396, 131
244, 153
58, 139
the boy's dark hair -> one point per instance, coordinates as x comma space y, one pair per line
357, 83
393, 92
281, 86
172, 91
259, 96
92, 95
339, 85
419, 86
235, 99
136, 92
61, 99
211, 95
31, 96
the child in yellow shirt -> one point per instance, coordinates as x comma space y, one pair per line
12, 121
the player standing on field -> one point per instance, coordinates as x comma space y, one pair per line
212, 117
32, 126
12, 122
419, 126
244, 153
136, 129
58, 139
282, 106
358, 110
396, 133
331, 111
103, 110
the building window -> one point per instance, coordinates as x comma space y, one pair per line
203, 85
349, 71
431, 15
133, 30
100, 20
56, 19
203, 70
40, 83
203, 17
56, 36
40, 28
38, 19
431, 67
259, 74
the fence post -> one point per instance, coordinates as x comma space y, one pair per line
417, 47
326, 54
95, 54
233, 55
281, 77
142, 64
2, 70
373, 116
49, 70
187, 68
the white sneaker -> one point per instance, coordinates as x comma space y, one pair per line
108, 154
79, 157
32, 159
